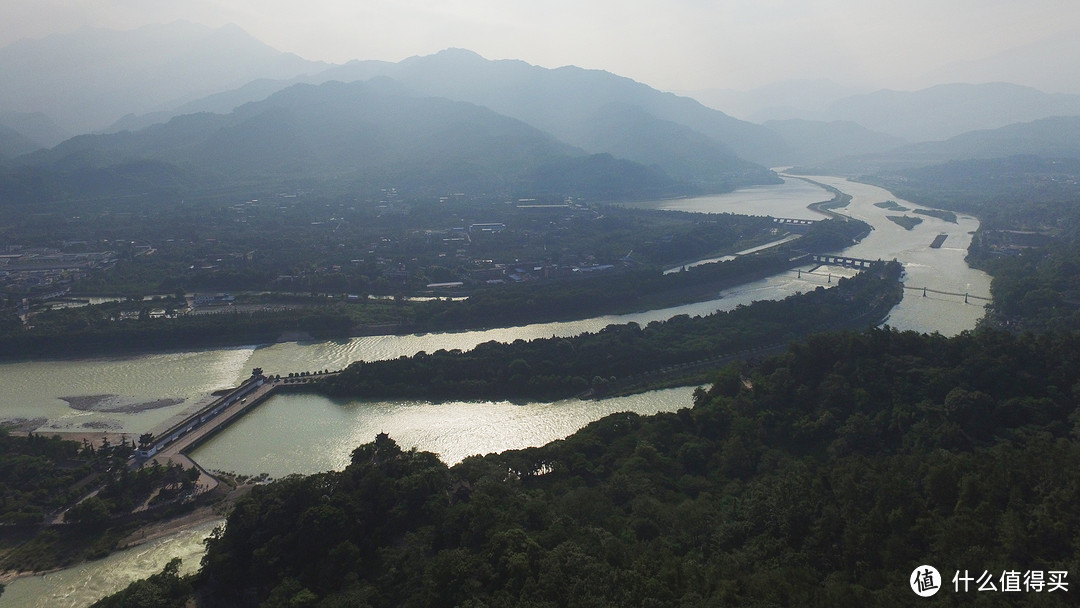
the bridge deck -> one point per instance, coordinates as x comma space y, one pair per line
966, 296
175, 451
842, 260
174, 444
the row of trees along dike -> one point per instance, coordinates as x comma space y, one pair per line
819, 477
554, 368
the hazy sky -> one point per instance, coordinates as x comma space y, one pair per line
669, 44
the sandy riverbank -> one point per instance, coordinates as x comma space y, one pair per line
114, 404
201, 515
161, 529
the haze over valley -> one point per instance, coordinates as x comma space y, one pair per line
566, 304
51, 89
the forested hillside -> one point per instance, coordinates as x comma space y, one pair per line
821, 477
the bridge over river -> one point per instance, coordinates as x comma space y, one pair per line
863, 263
173, 444
966, 296
840, 260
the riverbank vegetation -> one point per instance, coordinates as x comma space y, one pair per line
628, 291
93, 330
819, 477
555, 368
892, 206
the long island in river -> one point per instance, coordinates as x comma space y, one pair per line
308, 433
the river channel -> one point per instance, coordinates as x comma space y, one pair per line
305, 433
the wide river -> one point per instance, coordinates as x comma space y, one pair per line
305, 433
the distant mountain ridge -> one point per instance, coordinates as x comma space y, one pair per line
1048, 138
13, 143
944, 111
40, 130
817, 141
88, 79
93, 80
217, 103
576, 106
819, 122
1049, 65
1054, 137
678, 150
357, 136
672, 139
570, 103
782, 100
561, 101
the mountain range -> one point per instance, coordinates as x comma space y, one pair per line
575, 105
88, 79
565, 101
1056, 137
944, 111
358, 136
657, 137
1048, 64
14, 143
182, 104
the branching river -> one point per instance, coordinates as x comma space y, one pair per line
305, 433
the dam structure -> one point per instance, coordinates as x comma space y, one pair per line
173, 444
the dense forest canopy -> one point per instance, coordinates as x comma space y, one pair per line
821, 477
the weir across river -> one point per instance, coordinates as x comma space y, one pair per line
840, 260
173, 444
